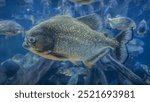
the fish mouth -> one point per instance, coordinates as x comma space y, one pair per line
19, 31
26, 45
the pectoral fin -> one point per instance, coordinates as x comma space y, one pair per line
50, 55
58, 55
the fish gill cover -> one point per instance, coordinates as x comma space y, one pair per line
74, 42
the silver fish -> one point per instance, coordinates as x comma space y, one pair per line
142, 28
121, 23
67, 38
10, 28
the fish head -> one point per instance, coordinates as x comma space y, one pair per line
36, 40
11, 28
15, 28
19, 29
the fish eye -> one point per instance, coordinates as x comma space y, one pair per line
32, 39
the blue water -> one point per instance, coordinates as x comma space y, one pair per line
22, 12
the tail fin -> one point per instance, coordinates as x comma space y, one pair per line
107, 19
121, 53
23, 32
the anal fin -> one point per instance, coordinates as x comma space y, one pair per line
90, 62
88, 65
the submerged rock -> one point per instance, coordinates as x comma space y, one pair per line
73, 73
18, 58
3, 78
2, 3
26, 61
10, 68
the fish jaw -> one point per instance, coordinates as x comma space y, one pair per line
26, 45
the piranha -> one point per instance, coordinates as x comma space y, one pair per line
142, 28
10, 28
83, 2
75, 39
121, 23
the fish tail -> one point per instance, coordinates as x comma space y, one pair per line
107, 17
120, 53
23, 32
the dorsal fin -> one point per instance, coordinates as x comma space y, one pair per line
92, 20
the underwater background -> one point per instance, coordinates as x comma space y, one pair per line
19, 66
